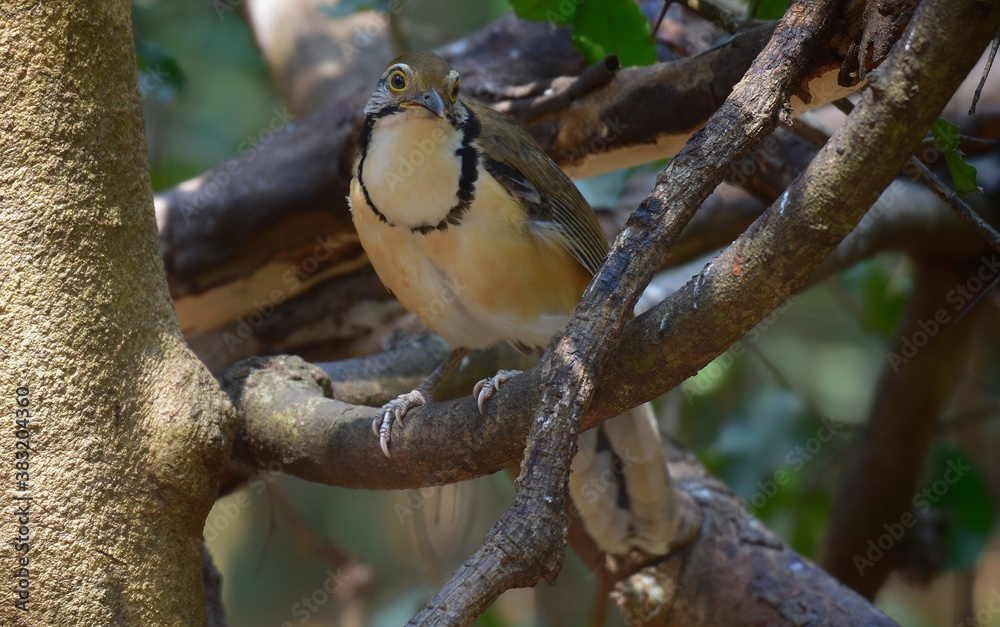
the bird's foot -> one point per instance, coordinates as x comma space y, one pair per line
392, 411
487, 387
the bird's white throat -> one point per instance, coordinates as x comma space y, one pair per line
411, 170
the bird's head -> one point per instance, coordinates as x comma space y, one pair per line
416, 80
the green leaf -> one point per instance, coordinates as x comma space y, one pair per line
555, 11
963, 174
771, 9
600, 27
946, 137
157, 68
618, 27
965, 505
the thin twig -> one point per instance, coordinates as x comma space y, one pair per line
970, 145
951, 198
986, 72
717, 15
659, 19
948, 195
986, 290
554, 99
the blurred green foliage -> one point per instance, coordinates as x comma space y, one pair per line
965, 506
224, 99
771, 9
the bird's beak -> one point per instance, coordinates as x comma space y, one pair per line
431, 101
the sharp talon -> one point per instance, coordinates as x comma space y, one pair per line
485, 389
394, 411
383, 441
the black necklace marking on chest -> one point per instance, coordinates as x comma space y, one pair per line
466, 153
363, 140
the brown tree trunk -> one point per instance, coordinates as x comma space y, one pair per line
116, 431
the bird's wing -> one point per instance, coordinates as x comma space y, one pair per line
556, 209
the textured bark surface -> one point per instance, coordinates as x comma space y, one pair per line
738, 573
127, 429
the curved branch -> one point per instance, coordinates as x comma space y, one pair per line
736, 568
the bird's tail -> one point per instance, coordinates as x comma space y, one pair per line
621, 486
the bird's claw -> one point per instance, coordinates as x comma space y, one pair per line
392, 411
487, 387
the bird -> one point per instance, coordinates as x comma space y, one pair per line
486, 240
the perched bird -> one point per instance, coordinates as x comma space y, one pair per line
484, 238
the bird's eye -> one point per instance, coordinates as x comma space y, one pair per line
454, 92
397, 81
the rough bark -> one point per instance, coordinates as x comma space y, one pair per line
738, 573
127, 430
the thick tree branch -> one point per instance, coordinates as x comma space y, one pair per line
735, 563
737, 573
